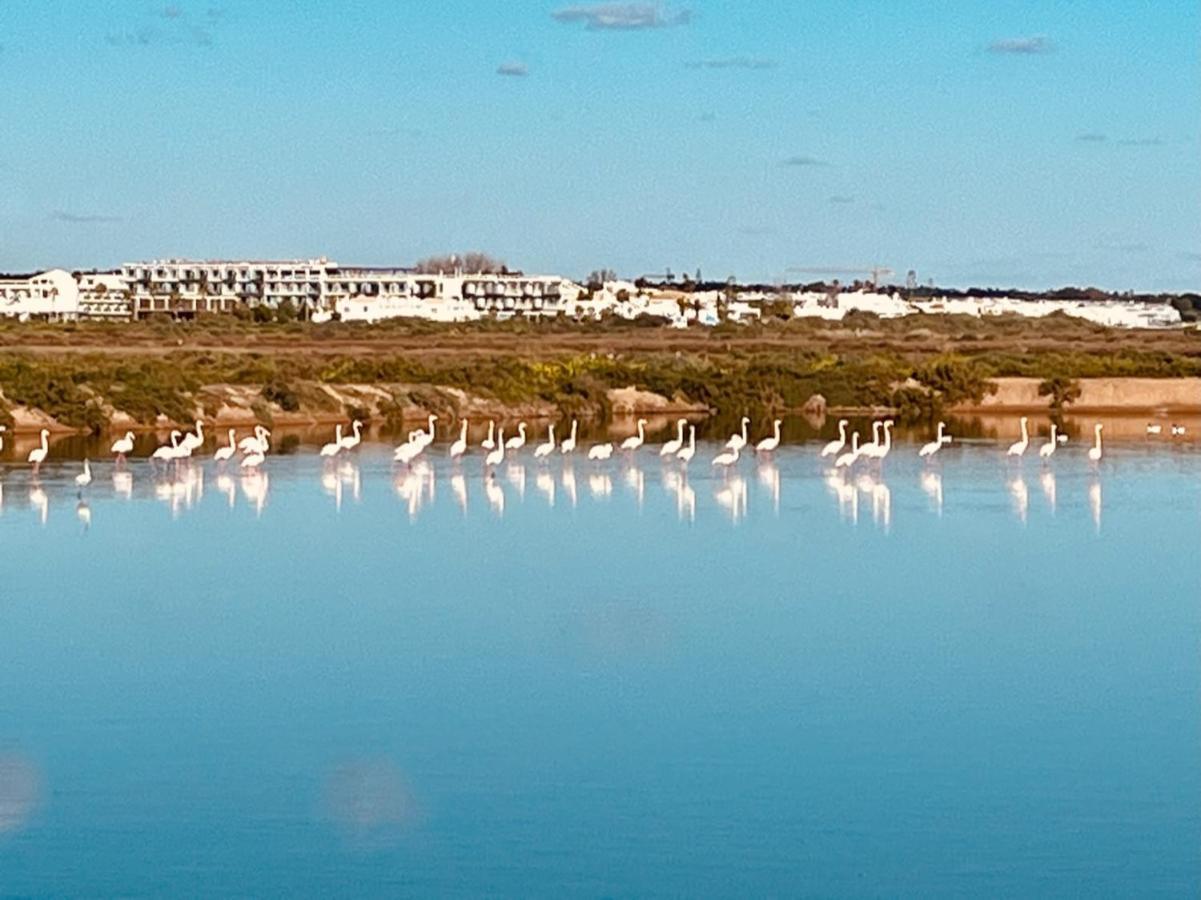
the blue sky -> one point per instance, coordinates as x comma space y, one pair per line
987, 142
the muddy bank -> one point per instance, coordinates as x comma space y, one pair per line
1097, 395
241, 406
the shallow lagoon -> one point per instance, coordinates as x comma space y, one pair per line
972, 677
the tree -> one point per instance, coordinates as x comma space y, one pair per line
472, 261
1061, 390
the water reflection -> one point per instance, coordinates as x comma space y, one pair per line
545, 482
1094, 503
495, 494
731, 495
636, 481
516, 476
567, 479
846, 495
40, 501
769, 477
226, 486
931, 483
255, 485
369, 800
458, 485
1047, 482
1020, 496
600, 485
123, 484
83, 512
20, 791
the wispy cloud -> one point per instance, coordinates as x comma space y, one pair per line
621, 16
733, 62
1141, 142
175, 26
1121, 247
82, 218
1031, 45
513, 69
842, 199
707, 117
1091, 137
801, 161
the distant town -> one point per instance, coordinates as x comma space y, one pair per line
473, 287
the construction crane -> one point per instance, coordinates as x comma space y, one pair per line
873, 273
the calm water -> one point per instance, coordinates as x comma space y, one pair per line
976, 678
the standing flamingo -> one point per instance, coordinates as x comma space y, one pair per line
1048, 448
568, 446
459, 447
225, 453
848, 459
497, 455
334, 447
769, 444
1019, 448
632, 443
738, 440
1094, 452
544, 450
685, 454
518, 440
122, 447
935, 445
835, 447
489, 442
37, 455
671, 448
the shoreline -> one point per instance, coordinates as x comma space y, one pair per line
241, 408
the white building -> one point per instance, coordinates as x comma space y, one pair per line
57, 295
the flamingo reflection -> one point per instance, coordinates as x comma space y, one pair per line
1047, 481
1021, 497
932, 486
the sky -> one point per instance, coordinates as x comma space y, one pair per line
978, 142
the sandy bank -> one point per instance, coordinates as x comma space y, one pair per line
1098, 395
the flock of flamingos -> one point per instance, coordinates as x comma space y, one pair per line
251, 451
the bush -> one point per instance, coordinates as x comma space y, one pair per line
1061, 390
281, 394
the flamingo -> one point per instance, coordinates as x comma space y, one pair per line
836, 446
872, 450
884, 449
600, 451
334, 447
254, 459
1178, 431
84, 478
425, 438
168, 451
685, 454
1019, 448
568, 446
935, 445
497, 455
122, 446
37, 455
407, 452
517, 441
459, 447
256, 441
488, 443
728, 458
1048, 448
671, 448
737, 440
1154, 429
848, 459
544, 450
350, 441
769, 444
194, 441
225, 453
1094, 452
634, 442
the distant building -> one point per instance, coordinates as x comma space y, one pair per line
58, 296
